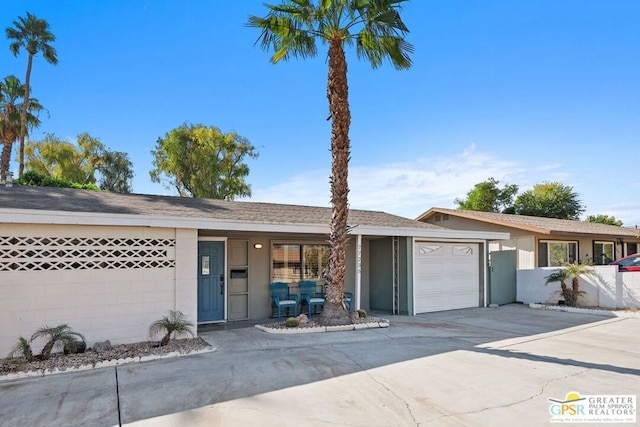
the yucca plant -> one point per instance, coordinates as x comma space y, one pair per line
571, 271
174, 323
61, 334
22, 348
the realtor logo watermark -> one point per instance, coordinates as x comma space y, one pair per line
606, 408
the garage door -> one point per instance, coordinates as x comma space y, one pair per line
447, 276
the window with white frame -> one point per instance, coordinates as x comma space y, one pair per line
552, 253
293, 262
603, 253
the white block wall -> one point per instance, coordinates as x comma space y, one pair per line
114, 304
605, 288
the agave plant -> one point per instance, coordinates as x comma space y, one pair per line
174, 323
571, 271
61, 334
22, 348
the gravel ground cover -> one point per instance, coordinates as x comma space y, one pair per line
62, 362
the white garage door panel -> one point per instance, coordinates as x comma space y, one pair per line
447, 276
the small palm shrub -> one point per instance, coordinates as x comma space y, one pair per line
22, 348
291, 322
571, 271
61, 334
174, 323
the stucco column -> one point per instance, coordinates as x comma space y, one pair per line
356, 297
186, 290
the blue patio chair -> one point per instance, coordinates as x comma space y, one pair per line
281, 299
348, 298
310, 295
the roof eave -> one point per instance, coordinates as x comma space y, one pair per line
30, 216
481, 219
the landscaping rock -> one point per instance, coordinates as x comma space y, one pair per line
102, 346
302, 319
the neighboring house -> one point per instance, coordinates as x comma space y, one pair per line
109, 264
543, 242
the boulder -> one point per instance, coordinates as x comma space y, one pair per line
102, 346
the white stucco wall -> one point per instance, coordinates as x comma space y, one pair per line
628, 291
605, 288
117, 304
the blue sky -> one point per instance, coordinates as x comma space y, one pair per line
521, 91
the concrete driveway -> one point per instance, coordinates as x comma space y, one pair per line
476, 367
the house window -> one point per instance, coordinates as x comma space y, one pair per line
632, 248
602, 253
292, 262
556, 253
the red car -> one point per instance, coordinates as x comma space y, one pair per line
628, 263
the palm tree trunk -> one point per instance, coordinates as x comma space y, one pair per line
575, 290
46, 351
5, 160
338, 94
23, 115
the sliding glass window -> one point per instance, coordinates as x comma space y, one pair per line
293, 262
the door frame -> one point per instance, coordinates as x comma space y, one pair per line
224, 269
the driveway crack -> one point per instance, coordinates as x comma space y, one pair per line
542, 390
380, 383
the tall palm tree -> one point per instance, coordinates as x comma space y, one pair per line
33, 34
11, 91
292, 29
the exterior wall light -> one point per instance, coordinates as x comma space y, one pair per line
258, 246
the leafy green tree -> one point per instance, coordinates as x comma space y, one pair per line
61, 159
550, 200
34, 36
604, 219
116, 172
292, 29
11, 92
203, 162
80, 163
486, 196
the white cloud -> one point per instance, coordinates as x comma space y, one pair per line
410, 188
406, 189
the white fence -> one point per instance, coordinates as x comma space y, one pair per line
606, 287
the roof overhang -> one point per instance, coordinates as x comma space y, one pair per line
32, 216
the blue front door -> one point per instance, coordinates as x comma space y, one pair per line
210, 281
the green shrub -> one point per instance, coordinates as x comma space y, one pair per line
174, 323
22, 349
362, 313
36, 179
291, 322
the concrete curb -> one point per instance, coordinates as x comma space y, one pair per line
595, 312
383, 323
101, 364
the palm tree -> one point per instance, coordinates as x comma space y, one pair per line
11, 91
62, 334
292, 29
571, 271
22, 349
33, 34
174, 322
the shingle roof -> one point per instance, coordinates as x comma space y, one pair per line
538, 224
87, 201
